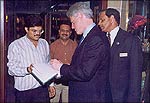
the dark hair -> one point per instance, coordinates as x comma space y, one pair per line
33, 20
65, 22
114, 12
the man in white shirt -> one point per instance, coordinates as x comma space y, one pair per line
22, 53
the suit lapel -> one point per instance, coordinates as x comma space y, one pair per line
89, 35
119, 39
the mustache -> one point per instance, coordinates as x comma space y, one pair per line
65, 34
37, 35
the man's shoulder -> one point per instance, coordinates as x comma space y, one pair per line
73, 42
129, 36
18, 40
56, 42
42, 40
124, 33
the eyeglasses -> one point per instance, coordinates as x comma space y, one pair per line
37, 31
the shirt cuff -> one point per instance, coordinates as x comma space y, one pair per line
52, 84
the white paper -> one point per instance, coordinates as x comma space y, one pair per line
43, 72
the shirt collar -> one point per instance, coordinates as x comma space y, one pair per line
113, 34
87, 30
29, 42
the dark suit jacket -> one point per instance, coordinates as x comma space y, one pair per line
88, 72
126, 68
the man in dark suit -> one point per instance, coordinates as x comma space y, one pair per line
126, 59
88, 72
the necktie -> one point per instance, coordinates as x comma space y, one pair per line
81, 40
109, 39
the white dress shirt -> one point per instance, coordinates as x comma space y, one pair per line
21, 54
88, 29
113, 34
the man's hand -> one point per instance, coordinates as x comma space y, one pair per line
56, 64
29, 69
52, 91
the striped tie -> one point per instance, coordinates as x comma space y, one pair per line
81, 40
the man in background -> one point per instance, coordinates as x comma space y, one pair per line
63, 50
126, 59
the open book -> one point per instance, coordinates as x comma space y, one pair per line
43, 72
